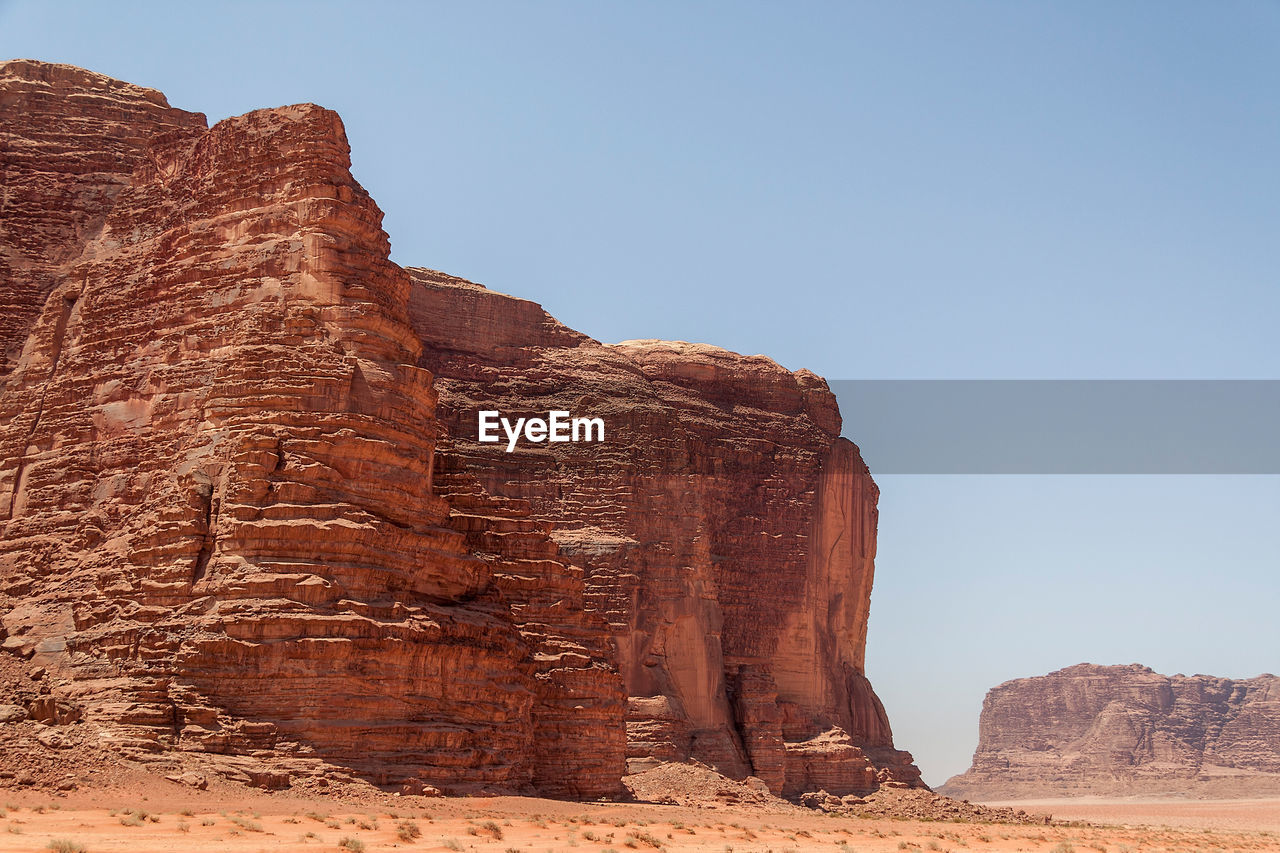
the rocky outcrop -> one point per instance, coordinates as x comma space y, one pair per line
216, 493
1123, 730
69, 143
244, 529
725, 529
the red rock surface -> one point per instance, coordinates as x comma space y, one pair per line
1125, 730
244, 530
69, 143
726, 531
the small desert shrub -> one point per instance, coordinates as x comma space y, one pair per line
132, 817
408, 830
355, 845
246, 824
183, 826
62, 845
1063, 847
644, 838
452, 844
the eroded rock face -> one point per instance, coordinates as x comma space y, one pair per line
244, 529
69, 142
1121, 730
216, 482
726, 531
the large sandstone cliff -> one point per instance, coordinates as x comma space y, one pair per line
1125, 730
244, 528
726, 531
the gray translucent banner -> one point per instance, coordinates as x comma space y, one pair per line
1064, 426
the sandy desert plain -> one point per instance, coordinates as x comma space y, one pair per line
147, 814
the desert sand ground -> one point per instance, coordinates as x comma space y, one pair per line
1261, 814
226, 822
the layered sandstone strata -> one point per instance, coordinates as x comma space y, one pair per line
244, 528
726, 530
1126, 730
70, 143
216, 493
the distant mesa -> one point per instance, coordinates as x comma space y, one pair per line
1125, 730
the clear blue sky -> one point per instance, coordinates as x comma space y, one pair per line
898, 190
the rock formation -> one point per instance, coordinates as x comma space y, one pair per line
245, 526
1125, 730
726, 531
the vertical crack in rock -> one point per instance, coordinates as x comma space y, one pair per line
176, 721
280, 461
63, 306
208, 542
